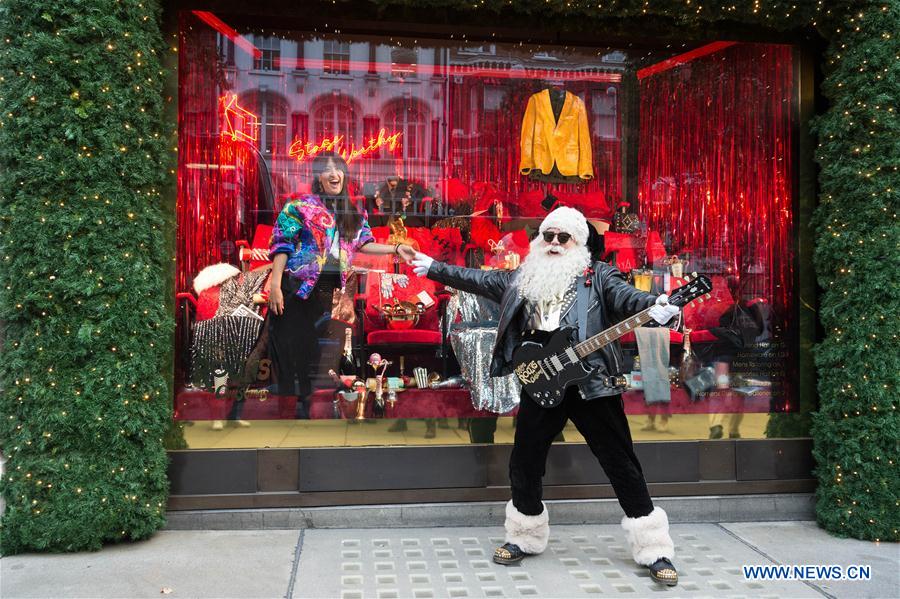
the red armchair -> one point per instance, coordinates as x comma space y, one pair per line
376, 332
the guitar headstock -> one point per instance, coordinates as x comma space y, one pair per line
696, 286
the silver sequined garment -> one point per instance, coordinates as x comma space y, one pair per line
225, 341
473, 341
239, 290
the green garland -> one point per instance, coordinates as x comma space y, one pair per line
83, 157
857, 258
87, 338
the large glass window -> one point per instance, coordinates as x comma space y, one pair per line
273, 122
336, 116
682, 161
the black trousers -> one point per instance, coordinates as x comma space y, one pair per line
602, 423
294, 335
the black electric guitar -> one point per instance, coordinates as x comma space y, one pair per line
547, 369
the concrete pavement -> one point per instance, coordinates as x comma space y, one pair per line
421, 563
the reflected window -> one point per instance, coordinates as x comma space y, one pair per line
410, 119
273, 123
337, 58
403, 63
270, 54
335, 117
604, 107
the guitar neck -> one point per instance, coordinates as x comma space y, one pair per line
585, 348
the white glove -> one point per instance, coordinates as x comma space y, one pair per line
421, 263
663, 311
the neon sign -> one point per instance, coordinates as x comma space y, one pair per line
301, 150
240, 123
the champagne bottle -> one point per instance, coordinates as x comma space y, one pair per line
341, 385
347, 366
689, 364
637, 378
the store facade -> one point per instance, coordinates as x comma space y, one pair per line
687, 157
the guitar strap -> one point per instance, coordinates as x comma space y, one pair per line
582, 303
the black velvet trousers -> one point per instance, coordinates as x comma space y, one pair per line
602, 423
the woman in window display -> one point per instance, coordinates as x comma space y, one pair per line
314, 240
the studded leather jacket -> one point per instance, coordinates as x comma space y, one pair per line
607, 299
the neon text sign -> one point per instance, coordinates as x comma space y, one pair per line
301, 150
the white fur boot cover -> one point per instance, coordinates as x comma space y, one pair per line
530, 533
648, 537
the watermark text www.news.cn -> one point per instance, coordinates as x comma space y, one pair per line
808, 572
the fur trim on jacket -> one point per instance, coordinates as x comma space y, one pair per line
214, 275
648, 537
530, 533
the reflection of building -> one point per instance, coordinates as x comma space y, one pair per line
315, 89
601, 101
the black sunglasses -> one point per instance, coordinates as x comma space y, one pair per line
563, 237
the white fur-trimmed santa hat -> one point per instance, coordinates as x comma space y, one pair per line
567, 220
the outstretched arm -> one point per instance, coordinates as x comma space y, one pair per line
487, 283
383, 249
623, 300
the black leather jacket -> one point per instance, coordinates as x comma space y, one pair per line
607, 300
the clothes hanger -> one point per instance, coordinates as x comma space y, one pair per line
555, 85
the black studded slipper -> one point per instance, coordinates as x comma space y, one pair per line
508, 554
663, 572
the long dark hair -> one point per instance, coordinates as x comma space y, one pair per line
348, 218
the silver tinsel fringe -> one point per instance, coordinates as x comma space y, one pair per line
222, 342
473, 343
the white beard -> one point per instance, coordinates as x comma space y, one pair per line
542, 276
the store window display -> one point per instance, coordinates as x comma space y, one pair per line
396, 196
462, 159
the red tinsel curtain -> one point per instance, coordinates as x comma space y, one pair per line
715, 168
218, 178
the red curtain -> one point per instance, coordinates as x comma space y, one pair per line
715, 169
218, 179
715, 163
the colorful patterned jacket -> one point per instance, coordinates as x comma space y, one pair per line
305, 230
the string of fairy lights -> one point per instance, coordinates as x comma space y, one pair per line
85, 395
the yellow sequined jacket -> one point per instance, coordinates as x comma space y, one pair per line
545, 141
